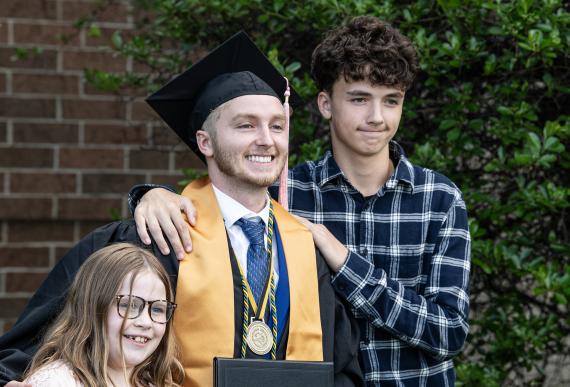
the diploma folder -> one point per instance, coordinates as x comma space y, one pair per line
272, 373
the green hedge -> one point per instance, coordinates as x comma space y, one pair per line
490, 109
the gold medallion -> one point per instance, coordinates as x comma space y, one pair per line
259, 337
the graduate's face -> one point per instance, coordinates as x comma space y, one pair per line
140, 336
249, 144
363, 117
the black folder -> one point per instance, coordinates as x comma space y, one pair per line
272, 373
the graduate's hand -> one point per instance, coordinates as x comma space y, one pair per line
331, 248
161, 211
14, 383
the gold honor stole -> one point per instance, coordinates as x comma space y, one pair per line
204, 321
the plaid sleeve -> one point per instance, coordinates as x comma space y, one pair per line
434, 321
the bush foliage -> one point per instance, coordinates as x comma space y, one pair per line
489, 110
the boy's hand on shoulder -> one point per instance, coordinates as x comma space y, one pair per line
334, 252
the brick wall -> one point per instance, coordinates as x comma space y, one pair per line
68, 152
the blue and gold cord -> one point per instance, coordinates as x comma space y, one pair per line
273, 305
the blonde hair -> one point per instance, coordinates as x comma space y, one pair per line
209, 124
79, 335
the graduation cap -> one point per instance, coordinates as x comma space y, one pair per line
233, 69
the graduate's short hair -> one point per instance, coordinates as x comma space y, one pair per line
209, 124
79, 335
366, 48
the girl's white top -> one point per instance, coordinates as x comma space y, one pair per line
56, 374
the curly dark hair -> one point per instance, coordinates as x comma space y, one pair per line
365, 49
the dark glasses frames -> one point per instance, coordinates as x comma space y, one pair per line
160, 311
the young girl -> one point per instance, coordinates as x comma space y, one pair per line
115, 328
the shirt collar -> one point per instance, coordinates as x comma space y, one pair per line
404, 171
232, 210
327, 169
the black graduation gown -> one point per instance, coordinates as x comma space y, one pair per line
17, 346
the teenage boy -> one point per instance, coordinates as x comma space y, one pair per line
395, 234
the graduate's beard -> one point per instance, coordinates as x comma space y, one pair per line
229, 163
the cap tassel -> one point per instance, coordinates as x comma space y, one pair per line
283, 194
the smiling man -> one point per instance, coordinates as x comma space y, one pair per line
253, 286
395, 234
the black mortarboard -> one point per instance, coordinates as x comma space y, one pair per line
234, 68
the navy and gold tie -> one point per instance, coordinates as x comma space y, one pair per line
257, 260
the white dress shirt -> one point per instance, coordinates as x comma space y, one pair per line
232, 211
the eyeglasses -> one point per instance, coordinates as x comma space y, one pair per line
160, 311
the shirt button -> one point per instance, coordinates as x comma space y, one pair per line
366, 341
364, 252
342, 287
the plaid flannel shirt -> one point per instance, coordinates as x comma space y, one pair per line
407, 271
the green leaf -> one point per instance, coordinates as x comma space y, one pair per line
535, 144
504, 111
546, 160
495, 30
453, 134
117, 40
292, 67
560, 298
94, 31
447, 123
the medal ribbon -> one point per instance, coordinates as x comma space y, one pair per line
268, 292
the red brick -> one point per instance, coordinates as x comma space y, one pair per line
25, 208
163, 135
40, 231
110, 183
45, 60
141, 67
45, 133
2, 83
73, 10
12, 307
3, 132
187, 159
142, 15
26, 157
60, 252
115, 134
29, 9
85, 109
1, 186
85, 227
90, 158
89, 208
172, 180
45, 83
100, 60
24, 282
3, 32
40, 182
143, 112
148, 159
24, 256
27, 107
45, 34
92, 90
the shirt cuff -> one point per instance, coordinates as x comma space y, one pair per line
352, 276
138, 191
